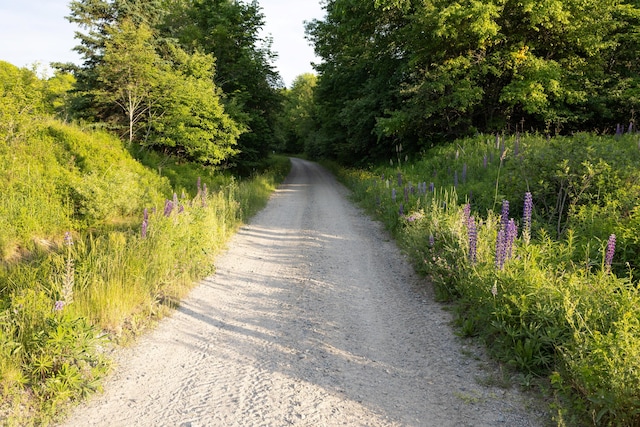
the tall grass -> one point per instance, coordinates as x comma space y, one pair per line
78, 273
564, 304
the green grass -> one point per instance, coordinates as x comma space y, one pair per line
64, 301
555, 311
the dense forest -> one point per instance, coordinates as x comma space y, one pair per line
420, 73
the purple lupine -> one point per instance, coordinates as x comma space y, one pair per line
143, 229
432, 240
399, 179
611, 249
630, 130
526, 217
401, 210
455, 178
432, 187
406, 194
68, 239
472, 232
175, 199
145, 214
618, 130
393, 195
168, 207
59, 305
466, 210
505, 215
464, 173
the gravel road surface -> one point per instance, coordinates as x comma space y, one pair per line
313, 318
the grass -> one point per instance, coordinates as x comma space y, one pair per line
554, 309
78, 274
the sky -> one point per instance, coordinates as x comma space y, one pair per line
36, 31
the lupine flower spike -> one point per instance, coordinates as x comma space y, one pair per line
611, 249
526, 217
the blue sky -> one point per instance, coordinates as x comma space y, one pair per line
35, 31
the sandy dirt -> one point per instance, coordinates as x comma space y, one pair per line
313, 318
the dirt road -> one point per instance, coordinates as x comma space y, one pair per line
313, 318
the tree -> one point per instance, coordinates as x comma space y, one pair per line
229, 30
127, 73
296, 124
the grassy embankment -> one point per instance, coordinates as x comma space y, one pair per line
79, 272
552, 291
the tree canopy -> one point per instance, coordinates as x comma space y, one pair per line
424, 72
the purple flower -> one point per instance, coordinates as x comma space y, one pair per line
505, 215
472, 231
455, 178
432, 187
175, 199
393, 195
145, 214
510, 238
464, 173
399, 179
68, 239
526, 216
143, 230
432, 240
466, 210
168, 207
611, 249
59, 305
406, 195
401, 210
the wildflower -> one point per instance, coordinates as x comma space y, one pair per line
494, 289
455, 178
168, 207
59, 305
406, 195
485, 160
505, 215
464, 173
473, 239
401, 210
393, 195
68, 239
386, 183
526, 221
432, 187
145, 214
399, 179
198, 185
466, 210
611, 248
175, 199
432, 240
143, 230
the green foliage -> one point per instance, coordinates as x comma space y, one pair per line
296, 123
422, 73
555, 309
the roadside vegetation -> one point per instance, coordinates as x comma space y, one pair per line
535, 243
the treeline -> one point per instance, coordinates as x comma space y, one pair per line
187, 78
419, 73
